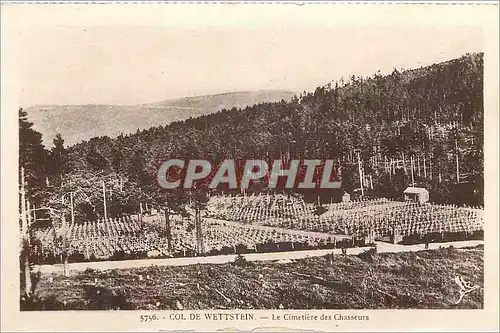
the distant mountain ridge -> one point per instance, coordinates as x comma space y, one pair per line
76, 123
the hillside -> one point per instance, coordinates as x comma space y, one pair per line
82, 122
421, 280
428, 120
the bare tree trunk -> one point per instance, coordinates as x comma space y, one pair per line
66, 264
360, 175
27, 271
168, 230
25, 233
425, 170
199, 231
412, 176
404, 164
418, 165
65, 249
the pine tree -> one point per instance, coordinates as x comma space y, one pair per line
58, 159
32, 157
95, 159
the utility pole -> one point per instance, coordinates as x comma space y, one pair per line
65, 248
141, 222
105, 208
72, 208
199, 231
360, 174
104, 199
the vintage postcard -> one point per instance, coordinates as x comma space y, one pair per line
250, 167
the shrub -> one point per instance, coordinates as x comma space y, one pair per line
368, 256
241, 261
101, 298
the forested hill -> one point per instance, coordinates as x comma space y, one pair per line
432, 115
82, 122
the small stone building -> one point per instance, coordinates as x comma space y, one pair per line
417, 194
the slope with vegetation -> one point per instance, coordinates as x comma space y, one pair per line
421, 280
435, 112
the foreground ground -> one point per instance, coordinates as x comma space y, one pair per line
423, 279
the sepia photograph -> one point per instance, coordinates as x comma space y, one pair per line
225, 167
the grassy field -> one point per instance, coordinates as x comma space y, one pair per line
422, 279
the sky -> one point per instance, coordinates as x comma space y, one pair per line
102, 62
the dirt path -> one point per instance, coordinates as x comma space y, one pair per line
221, 259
